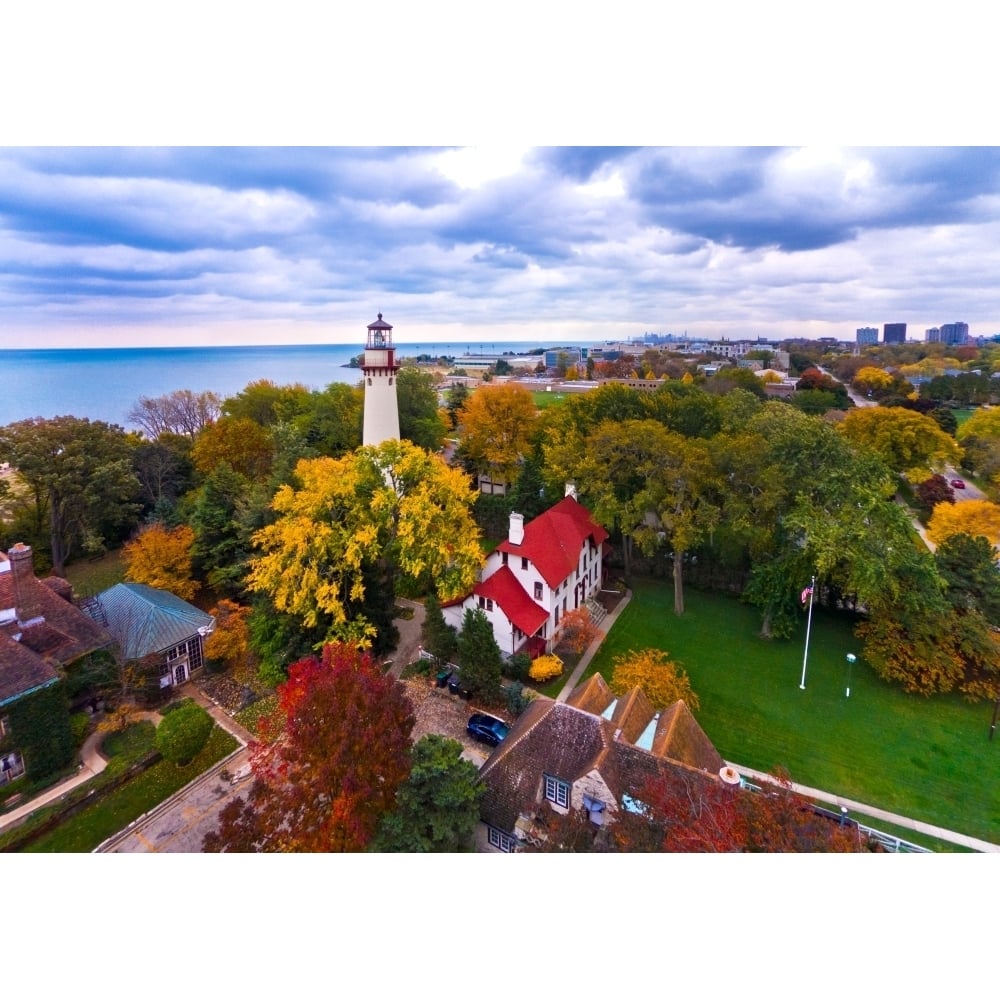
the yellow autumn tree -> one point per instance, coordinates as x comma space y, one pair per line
662, 680
966, 517
495, 426
161, 557
367, 520
904, 439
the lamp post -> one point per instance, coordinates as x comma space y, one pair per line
850, 664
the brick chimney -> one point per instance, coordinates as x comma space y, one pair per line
27, 599
515, 534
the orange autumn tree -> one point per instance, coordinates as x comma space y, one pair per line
161, 557
578, 630
229, 641
329, 772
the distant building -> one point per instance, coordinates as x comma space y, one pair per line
933, 335
867, 335
894, 333
955, 334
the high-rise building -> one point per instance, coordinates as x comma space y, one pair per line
955, 334
933, 335
894, 333
380, 368
867, 335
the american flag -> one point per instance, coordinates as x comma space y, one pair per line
806, 594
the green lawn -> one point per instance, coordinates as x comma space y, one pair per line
926, 758
93, 826
91, 576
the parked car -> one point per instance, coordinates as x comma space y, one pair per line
958, 484
487, 729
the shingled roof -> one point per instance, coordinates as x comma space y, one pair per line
569, 740
57, 634
552, 541
145, 620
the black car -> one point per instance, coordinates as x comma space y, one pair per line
487, 729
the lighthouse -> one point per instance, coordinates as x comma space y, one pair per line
380, 368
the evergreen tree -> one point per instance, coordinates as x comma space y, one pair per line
479, 655
437, 807
439, 638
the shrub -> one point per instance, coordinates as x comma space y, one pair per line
517, 667
545, 668
79, 724
183, 733
518, 697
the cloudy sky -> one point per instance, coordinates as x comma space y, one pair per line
139, 245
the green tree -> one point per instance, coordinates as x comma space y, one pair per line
455, 400
183, 732
419, 418
331, 421
437, 807
221, 547
78, 477
267, 404
479, 655
439, 638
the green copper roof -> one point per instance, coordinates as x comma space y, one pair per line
145, 620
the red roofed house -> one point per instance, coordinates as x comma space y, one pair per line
551, 565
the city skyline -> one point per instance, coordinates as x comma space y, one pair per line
144, 246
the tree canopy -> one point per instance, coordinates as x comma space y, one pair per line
387, 510
80, 480
331, 771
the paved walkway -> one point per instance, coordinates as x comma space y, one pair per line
93, 763
578, 670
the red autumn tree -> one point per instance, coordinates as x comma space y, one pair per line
685, 811
325, 779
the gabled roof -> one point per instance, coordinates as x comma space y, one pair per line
504, 588
673, 733
31, 652
552, 541
567, 742
145, 620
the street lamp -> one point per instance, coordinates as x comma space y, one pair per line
850, 664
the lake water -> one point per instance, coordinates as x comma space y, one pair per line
105, 383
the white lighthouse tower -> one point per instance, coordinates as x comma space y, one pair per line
380, 368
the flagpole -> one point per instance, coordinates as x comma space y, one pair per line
809, 621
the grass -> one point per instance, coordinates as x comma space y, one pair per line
92, 576
94, 825
925, 758
133, 741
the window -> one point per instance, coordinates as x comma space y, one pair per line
501, 841
524, 562
503, 558
11, 766
595, 808
486, 603
4, 726
557, 791
538, 591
